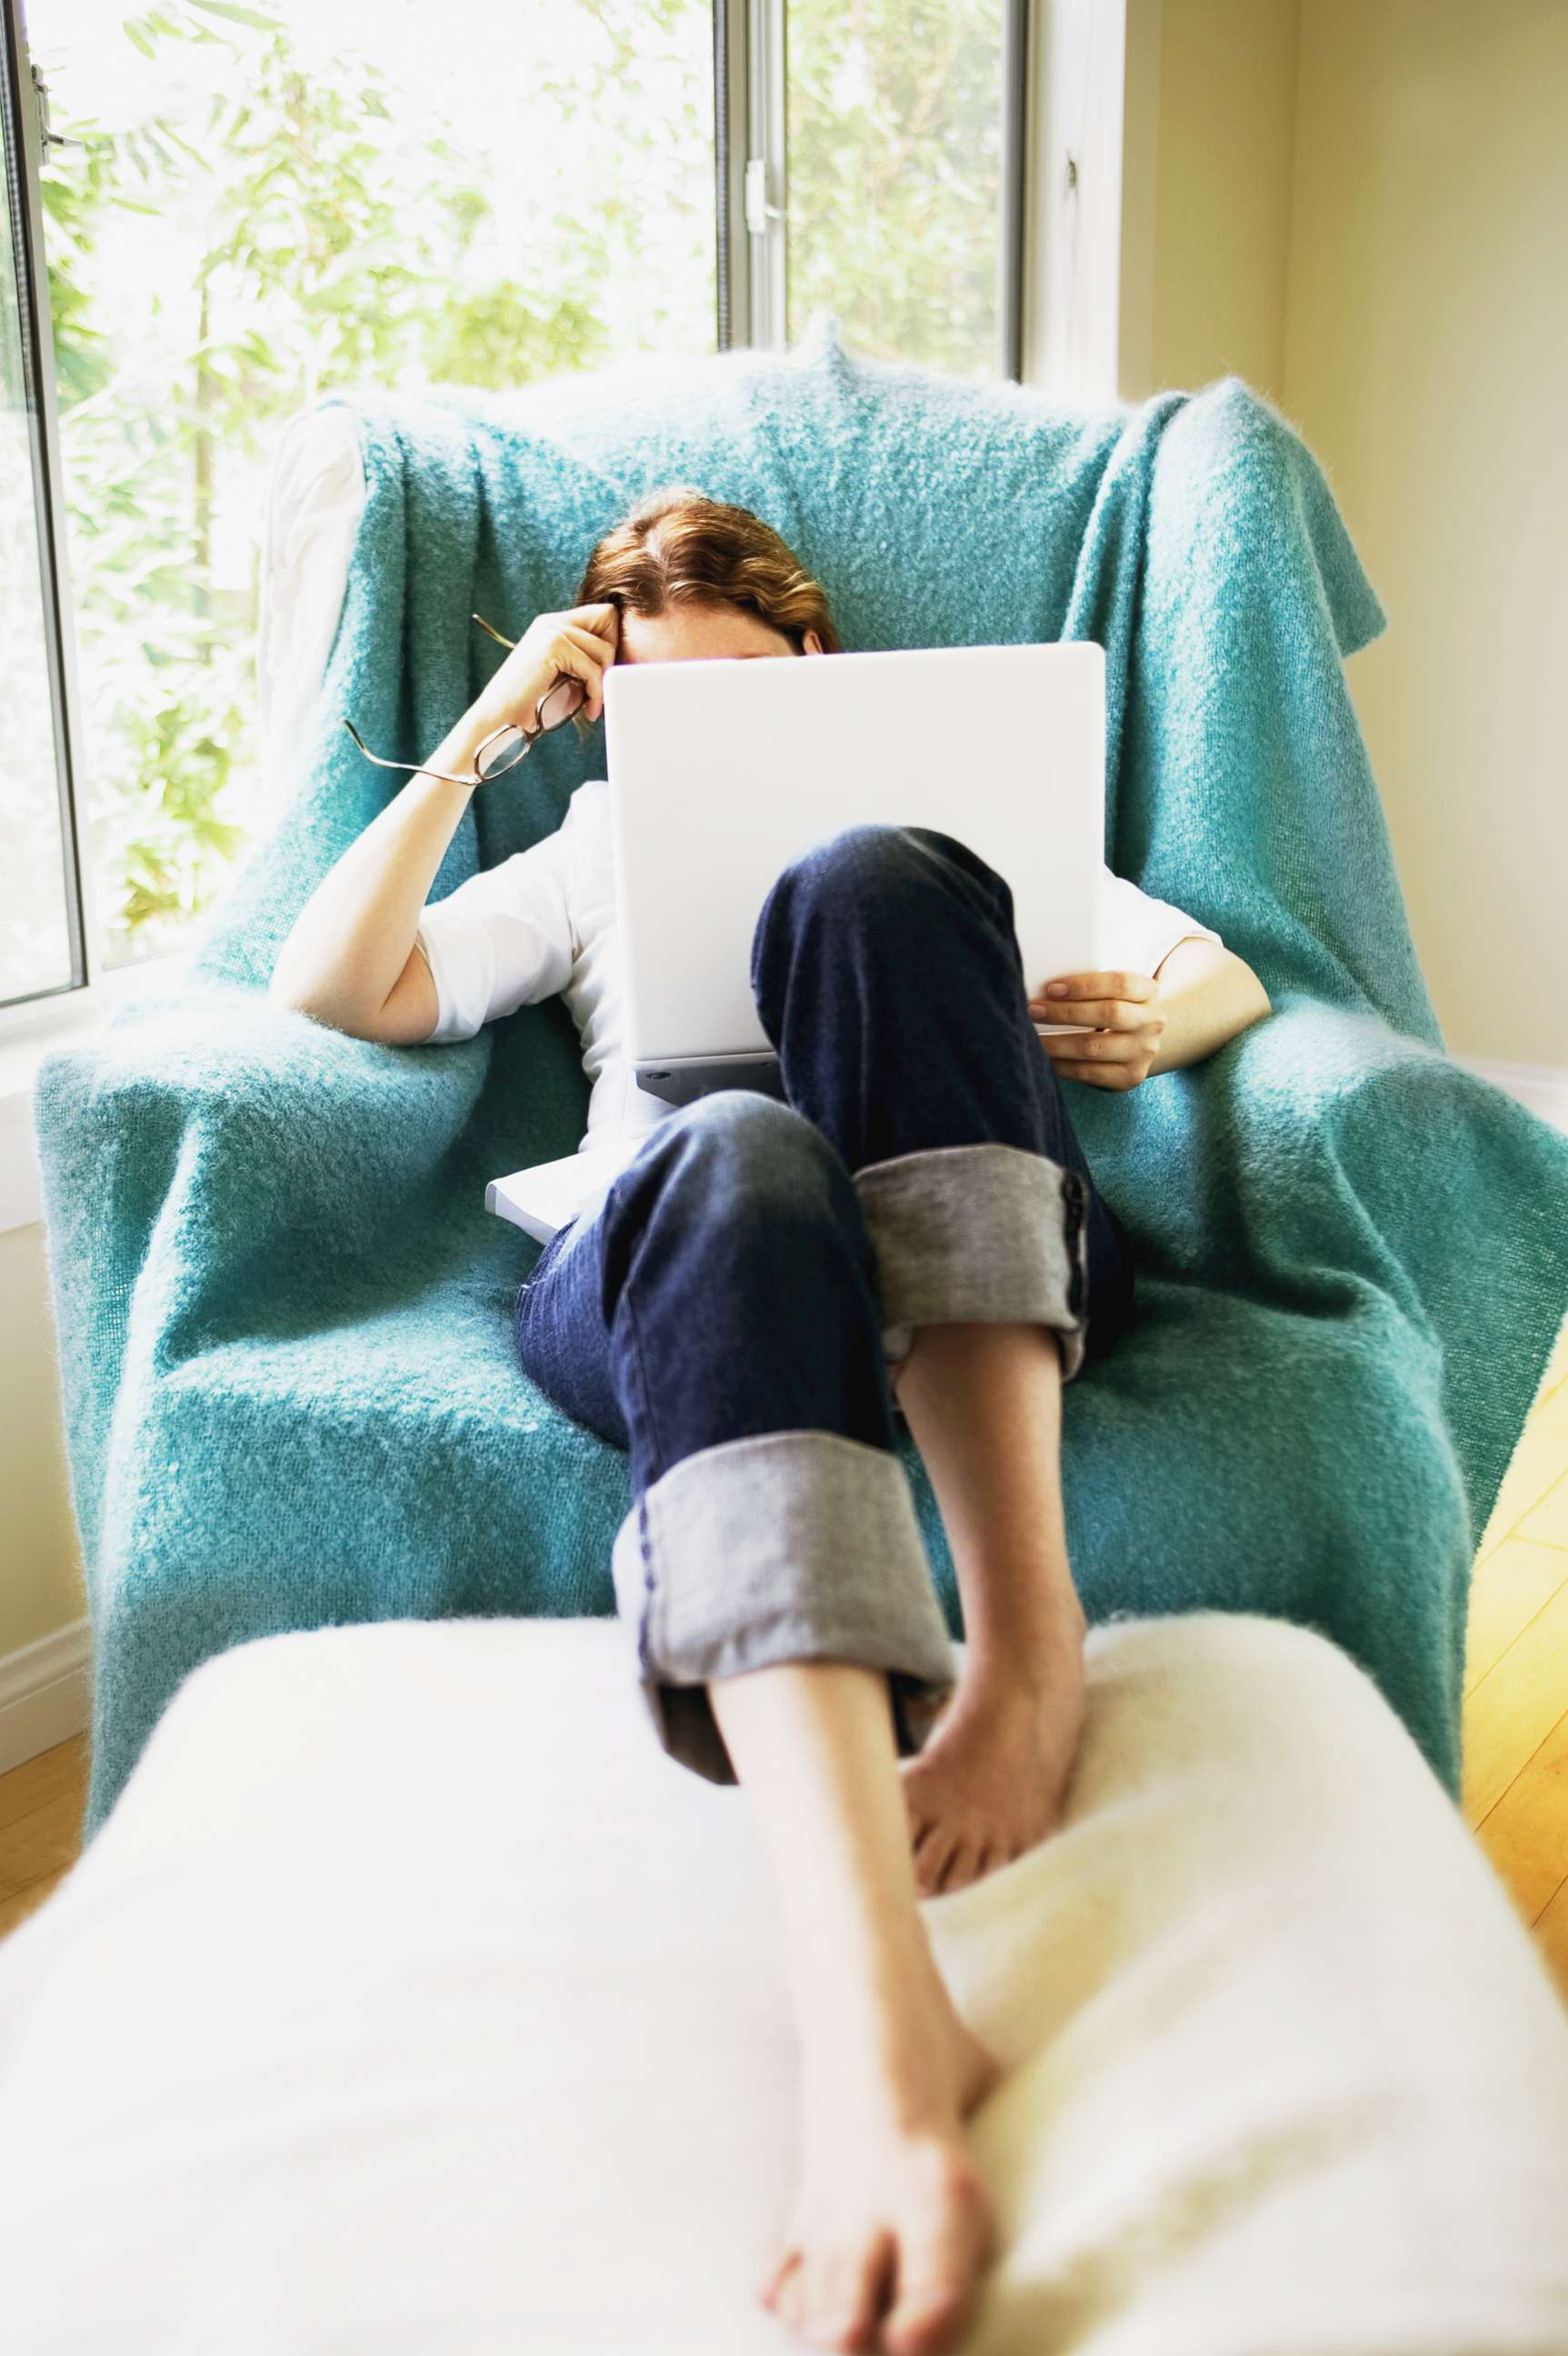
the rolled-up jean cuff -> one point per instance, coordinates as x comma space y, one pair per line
990, 1233
784, 1546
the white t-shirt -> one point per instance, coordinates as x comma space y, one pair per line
544, 921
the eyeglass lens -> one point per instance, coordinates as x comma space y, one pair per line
561, 703
509, 749
504, 753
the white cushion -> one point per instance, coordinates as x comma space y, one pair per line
315, 495
413, 1999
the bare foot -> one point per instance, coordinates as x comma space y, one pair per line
990, 1782
892, 2224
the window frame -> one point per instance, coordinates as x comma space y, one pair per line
750, 83
24, 138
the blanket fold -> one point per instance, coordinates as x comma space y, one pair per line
290, 1388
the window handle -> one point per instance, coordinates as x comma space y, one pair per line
47, 137
758, 211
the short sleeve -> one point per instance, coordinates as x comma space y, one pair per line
504, 940
1137, 932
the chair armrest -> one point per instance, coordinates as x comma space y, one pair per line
1308, 1056
1374, 1134
1354, 1173
312, 1105
221, 1127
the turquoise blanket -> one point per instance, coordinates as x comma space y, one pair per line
284, 1311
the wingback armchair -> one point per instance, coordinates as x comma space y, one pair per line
289, 1383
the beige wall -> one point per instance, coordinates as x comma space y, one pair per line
1362, 209
40, 1562
1427, 358
1227, 130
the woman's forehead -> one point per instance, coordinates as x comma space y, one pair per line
691, 630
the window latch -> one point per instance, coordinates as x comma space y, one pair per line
758, 211
47, 137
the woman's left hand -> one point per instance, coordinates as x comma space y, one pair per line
1128, 1018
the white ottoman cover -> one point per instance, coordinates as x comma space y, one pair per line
411, 1999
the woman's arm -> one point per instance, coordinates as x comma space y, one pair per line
351, 960
1209, 994
1200, 995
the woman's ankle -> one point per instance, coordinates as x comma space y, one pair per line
904, 2070
1032, 1659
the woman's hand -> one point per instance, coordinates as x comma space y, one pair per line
582, 640
1129, 1022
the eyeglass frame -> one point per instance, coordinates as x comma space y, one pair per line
529, 736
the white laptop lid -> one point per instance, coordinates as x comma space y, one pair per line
721, 772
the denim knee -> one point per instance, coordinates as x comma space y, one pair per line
744, 1163
740, 1286
768, 1145
887, 974
881, 874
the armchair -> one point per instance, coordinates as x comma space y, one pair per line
290, 1392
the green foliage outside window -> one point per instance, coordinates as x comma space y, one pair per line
330, 258
331, 250
894, 129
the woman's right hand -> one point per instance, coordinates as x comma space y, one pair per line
582, 640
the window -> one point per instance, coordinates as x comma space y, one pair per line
244, 207
897, 113
37, 950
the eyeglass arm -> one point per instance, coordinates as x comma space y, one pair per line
422, 768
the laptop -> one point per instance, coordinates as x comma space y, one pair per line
721, 772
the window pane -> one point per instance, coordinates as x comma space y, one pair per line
894, 175
346, 194
34, 940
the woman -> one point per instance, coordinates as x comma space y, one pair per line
739, 1304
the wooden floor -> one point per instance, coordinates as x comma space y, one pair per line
1516, 1705
1516, 1676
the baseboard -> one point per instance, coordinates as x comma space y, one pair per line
45, 1694
1542, 1087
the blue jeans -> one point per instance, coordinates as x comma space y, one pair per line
728, 1309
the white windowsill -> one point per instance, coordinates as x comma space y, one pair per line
28, 1033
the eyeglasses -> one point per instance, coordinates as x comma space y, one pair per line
505, 746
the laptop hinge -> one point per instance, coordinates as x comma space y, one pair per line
701, 1076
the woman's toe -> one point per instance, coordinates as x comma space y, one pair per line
931, 1861
783, 2257
937, 2282
958, 1868
845, 2296
788, 2302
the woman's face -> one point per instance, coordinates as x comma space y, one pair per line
689, 632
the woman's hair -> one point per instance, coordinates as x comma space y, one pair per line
677, 546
